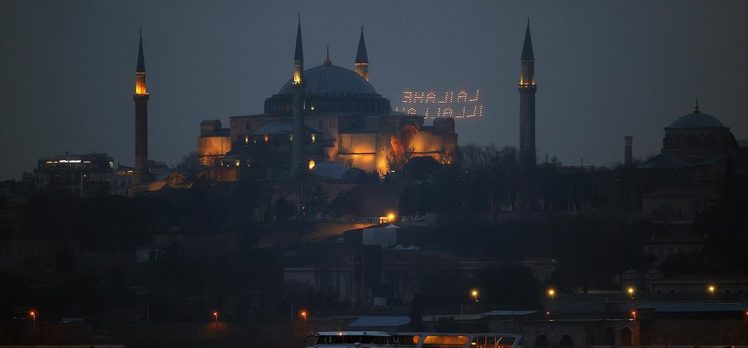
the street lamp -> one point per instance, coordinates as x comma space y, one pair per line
474, 293
391, 217
711, 289
303, 314
32, 314
552, 293
215, 316
631, 291
633, 315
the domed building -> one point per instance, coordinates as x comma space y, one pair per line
696, 137
326, 114
697, 153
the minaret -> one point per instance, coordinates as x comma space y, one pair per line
297, 101
527, 89
141, 117
361, 65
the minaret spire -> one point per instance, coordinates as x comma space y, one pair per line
141, 59
696, 108
361, 65
298, 57
299, 52
527, 53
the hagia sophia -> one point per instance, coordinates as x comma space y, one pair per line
325, 118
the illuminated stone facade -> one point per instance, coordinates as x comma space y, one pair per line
213, 142
344, 121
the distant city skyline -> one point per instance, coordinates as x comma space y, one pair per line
603, 69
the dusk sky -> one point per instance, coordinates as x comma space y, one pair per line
604, 69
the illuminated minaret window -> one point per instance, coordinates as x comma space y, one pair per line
361, 65
141, 117
527, 89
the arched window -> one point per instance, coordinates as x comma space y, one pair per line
541, 341
625, 337
566, 341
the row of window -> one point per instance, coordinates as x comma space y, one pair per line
693, 141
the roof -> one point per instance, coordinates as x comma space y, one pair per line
665, 161
380, 321
361, 56
330, 170
527, 53
697, 119
500, 313
332, 80
694, 307
274, 127
352, 333
381, 226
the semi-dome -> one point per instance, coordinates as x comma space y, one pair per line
697, 119
332, 80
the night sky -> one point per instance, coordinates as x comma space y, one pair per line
604, 69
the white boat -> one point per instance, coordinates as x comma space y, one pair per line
380, 339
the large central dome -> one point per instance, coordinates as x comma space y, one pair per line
697, 119
332, 80
329, 88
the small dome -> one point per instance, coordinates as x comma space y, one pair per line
332, 80
697, 119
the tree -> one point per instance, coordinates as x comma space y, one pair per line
190, 165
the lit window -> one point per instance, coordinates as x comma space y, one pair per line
314, 137
311, 164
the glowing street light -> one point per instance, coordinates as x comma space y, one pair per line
32, 314
711, 289
391, 217
474, 294
215, 316
631, 291
552, 293
303, 314
633, 315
